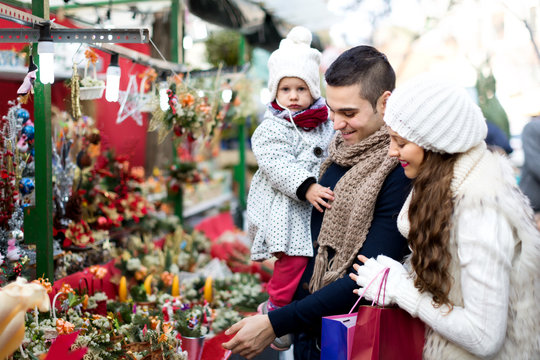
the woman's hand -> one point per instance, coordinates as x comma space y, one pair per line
253, 335
370, 275
318, 195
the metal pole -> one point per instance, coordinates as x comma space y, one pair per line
176, 25
176, 54
240, 170
40, 218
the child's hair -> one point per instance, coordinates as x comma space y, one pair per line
366, 66
430, 216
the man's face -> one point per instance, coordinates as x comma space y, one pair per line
352, 115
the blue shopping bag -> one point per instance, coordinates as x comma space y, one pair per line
337, 333
337, 336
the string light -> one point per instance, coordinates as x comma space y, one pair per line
163, 96
113, 79
226, 95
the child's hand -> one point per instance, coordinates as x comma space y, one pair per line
318, 195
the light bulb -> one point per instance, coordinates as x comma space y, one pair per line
226, 96
187, 42
46, 62
163, 96
113, 79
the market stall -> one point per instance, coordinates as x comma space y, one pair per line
101, 236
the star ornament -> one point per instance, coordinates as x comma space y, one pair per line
130, 104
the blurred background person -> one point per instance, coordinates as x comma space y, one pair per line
530, 172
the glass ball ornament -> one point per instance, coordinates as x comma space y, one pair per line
28, 130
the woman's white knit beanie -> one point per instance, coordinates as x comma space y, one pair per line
436, 115
295, 58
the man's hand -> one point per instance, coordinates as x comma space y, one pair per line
253, 335
318, 195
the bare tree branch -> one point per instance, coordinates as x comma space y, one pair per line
529, 29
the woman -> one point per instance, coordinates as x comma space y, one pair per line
474, 276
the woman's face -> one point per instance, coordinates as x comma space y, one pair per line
409, 154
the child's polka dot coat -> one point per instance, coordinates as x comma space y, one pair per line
277, 220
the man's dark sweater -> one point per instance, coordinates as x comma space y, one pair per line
305, 312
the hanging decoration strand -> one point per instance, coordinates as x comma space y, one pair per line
160, 54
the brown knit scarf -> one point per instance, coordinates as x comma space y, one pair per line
346, 225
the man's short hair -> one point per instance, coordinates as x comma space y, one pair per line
366, 66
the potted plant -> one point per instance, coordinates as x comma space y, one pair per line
90, 86
190, 325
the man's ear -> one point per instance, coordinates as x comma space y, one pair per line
381, 102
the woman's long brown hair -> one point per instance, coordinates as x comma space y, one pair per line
430, 215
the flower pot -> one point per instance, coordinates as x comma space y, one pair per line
148, 304
193, 346
154, 355
91, 92
137, 347
148, 104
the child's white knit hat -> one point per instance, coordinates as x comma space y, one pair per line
295, 58
436, 115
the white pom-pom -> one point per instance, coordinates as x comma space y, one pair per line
300, 35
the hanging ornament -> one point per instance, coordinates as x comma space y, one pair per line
22, 144
28, 131
26, 186
13, 251
27, 87
129, 103
75, 95
22, 115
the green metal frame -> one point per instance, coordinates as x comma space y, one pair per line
240, 169
40, 217
176, 10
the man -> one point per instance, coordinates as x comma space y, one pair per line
370, 189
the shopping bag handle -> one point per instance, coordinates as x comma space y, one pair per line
385, 272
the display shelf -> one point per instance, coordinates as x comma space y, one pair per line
206, 205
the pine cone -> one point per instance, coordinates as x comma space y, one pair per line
73, 208
83, 159
94, 137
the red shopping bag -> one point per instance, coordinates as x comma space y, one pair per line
387, 333
337, 332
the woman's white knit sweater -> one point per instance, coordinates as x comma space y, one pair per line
495, 251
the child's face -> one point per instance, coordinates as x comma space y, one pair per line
293, 93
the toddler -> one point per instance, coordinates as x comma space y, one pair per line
290, 145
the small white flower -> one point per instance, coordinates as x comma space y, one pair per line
133, 264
